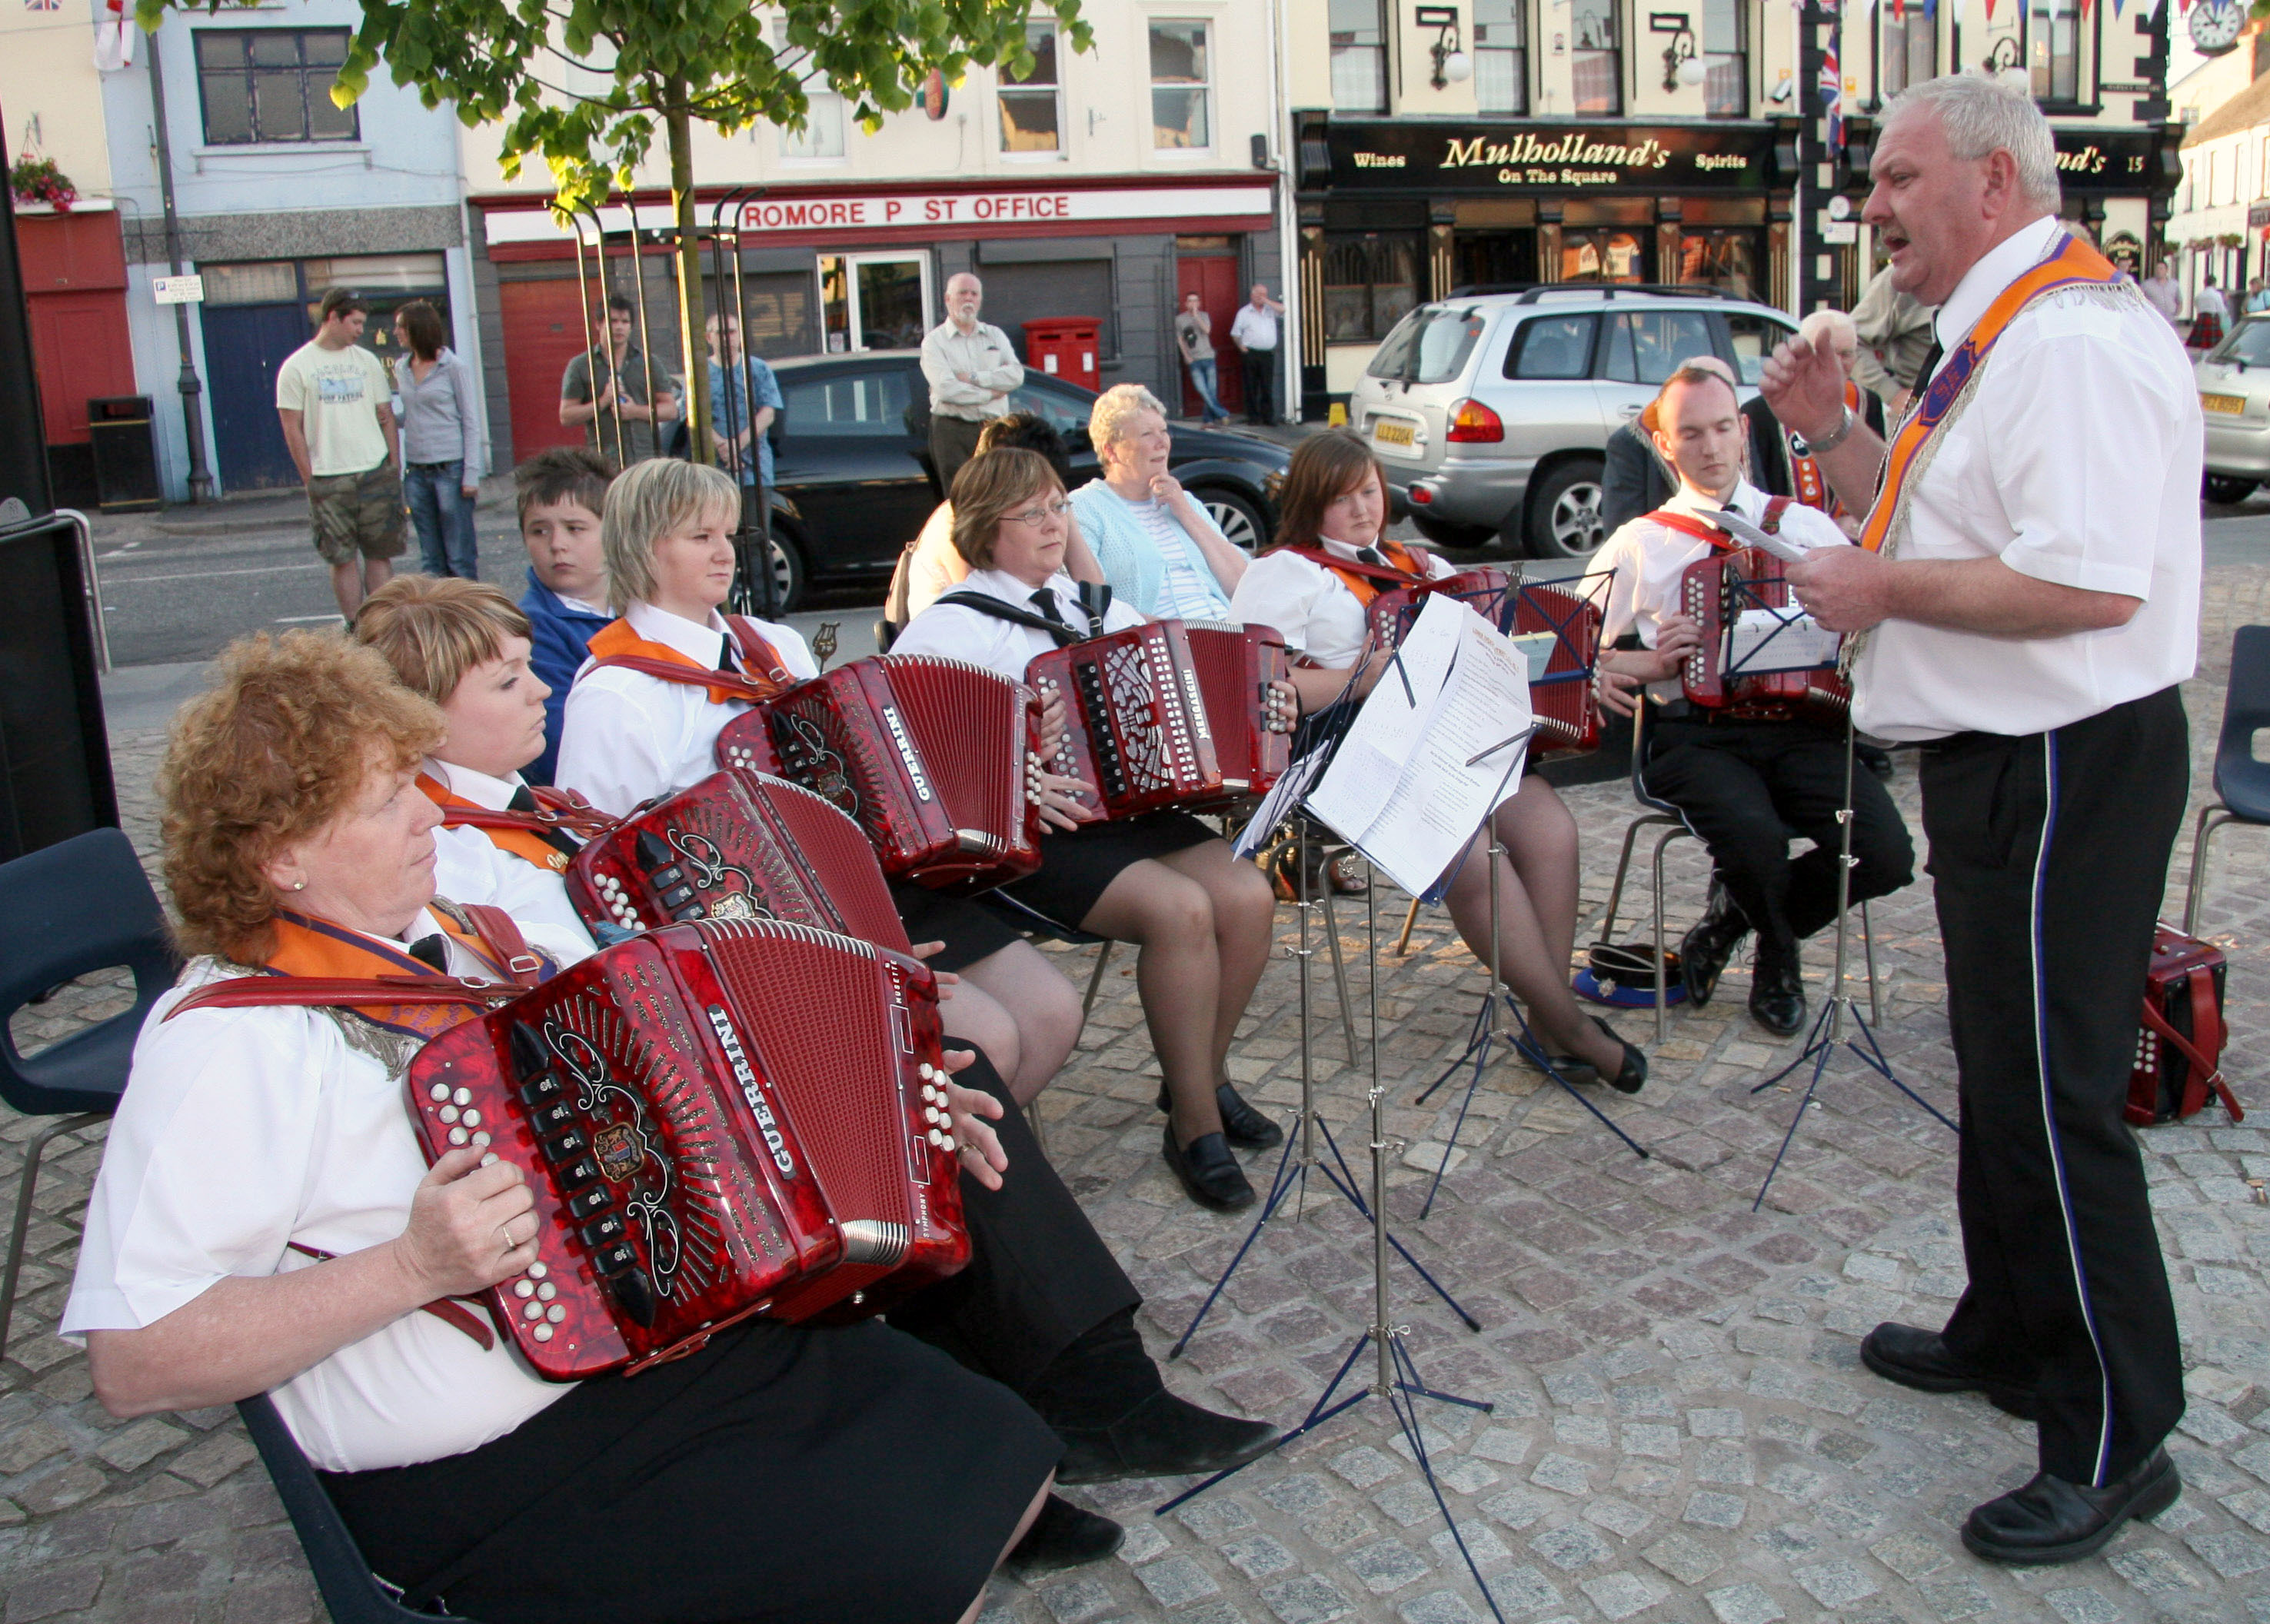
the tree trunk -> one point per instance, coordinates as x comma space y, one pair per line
695, 349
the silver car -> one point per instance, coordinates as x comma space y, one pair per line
1491, 412
2234, 391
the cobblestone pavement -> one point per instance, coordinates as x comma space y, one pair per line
1681, 1429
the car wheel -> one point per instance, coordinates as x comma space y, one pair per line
1564, 512
2227, 489
788, 577
1443, 533
1238, 519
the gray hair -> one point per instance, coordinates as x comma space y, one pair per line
1837, 325
1982, 116
1115, 410
650, 500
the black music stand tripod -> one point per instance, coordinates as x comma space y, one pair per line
1828, 1033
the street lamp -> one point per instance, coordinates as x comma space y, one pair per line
2006, 63
1452, 65
1681, 65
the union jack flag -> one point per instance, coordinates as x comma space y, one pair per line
1832, 96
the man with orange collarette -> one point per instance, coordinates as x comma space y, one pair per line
1745, 778
2026, 593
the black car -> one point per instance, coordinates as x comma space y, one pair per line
852, 471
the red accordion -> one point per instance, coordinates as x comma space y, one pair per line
737, 846
1714, 592
2178, 1065
716, 1121
1559, 695
932, 757
1483, 590
1170, 714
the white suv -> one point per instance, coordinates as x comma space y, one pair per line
1491, 411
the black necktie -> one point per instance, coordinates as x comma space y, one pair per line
523, 800
1370, 555
1930, 358
1045, 601
725, 661
432, 951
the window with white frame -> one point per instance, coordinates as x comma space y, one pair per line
2054, 49
1359, 45
1596, 65
1907, 49
1725, 59
822, 135
1032, 103
1181, 80
1500, 57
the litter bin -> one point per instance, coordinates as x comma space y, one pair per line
1070, 347
125, 453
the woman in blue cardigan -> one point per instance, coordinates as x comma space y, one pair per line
1158, 549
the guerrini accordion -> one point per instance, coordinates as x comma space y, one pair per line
1169, 713
737, 846
718, 1120
1716, 592
1483, 590
1555, 625
933, 759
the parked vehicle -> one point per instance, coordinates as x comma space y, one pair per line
1491, 411
2234, 391
854, 481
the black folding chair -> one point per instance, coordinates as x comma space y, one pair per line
2242, 782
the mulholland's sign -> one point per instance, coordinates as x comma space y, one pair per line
1451, 158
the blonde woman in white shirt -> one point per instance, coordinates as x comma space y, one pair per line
1332, 558
629, 737
1164, 881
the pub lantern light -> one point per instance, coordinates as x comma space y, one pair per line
1452, 65
2004, 63
1682, 64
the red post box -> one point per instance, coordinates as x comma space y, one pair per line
1070, 347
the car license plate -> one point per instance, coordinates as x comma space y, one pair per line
1388, 432
2230, 405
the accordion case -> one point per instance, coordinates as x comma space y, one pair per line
1563, 621
1714, 592
737, 846
932, 757
717, 1120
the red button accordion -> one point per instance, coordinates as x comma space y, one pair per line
2178, 1064
1715, 591
932, 757
1560, 619
1169, 714
718, 1120
737, 846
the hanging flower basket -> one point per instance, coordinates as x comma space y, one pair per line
37, 180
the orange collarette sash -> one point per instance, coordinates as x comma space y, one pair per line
1402, 568
2072, 264
520, 833
617, 644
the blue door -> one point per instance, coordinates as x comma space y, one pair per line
244, 345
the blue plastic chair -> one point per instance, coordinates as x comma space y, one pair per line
2242, 781
350, 1591
81, 905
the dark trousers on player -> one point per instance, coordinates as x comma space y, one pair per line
1747, 787
2049, 856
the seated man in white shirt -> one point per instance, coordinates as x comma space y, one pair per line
1744, 782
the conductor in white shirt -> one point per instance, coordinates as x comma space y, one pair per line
1255, 331
971, 367
2028, 592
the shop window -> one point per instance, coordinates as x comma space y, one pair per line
1596, 65
260, 84
1032, 105
1725, 62
1553, 346
1754, 337
2054, 49
1726, 259
1907, 49
1500, 57
1359, 30
1647, 346
1372, 282
1602, 257
1179, 83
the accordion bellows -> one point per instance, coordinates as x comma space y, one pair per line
717, 1120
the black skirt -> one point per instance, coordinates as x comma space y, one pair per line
970, 933
784, 1474
1078, 865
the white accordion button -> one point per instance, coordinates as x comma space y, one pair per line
448, 1113
555, 1313
534, 1310
491, 1156
472, 1119
547, 1291
537, 1271
464, 1096
949, 1147
936, 1139
458, 1135
482, 1140
543, 1333
440, 1092
523, 1288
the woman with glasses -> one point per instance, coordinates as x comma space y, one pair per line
1164, 881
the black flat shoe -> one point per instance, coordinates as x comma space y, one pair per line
1162, 1437
1918, 1359
2052, 1520
1778, 996
1631, 1075
1704, 951
1209, 1172
1064, 1536
1241, 1125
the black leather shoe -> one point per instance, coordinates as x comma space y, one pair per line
1631, 1075
1241, 1125
1162, 1437
2051, 1520
1704, 951
1917, 1358
1209, 1172
1064, 1536
1777, 994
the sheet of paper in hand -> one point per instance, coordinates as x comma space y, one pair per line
1777, 639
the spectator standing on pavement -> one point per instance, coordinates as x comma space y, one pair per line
332, 396
1894, 335
2258, 297
2209, 311
1255, 332
1194, 335
442, 453
2164, 293
971, 367
561, 495
634, 395
743, 398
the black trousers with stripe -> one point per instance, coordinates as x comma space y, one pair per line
2049, 853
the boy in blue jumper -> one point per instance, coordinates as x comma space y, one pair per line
562, 493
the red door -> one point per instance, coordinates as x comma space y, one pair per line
1214, 278
542, 332
74, 269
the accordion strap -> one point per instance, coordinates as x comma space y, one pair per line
731, 683
2207, 1022
450, 1312
555, 813
493, 925
986, 603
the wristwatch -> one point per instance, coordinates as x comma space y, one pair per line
1844, 432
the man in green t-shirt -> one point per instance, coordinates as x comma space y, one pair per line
635, 397
333, 397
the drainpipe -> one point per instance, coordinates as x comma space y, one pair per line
192, 416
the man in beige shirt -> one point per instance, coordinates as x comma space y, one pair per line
971, 367
333, 397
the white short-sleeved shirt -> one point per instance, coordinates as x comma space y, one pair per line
2076, 461
954, 633
1311, 608
626, 737
1648, 562
469, 867
243, 1131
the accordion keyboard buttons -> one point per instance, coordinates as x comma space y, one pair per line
523, 1288
439, 1093
588, 1203
581, 1171
539, 1090
552, 1118
461, 1097
604, 1235
565, 1147
676, 896
614, 1259
537, 1271
542, 1333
